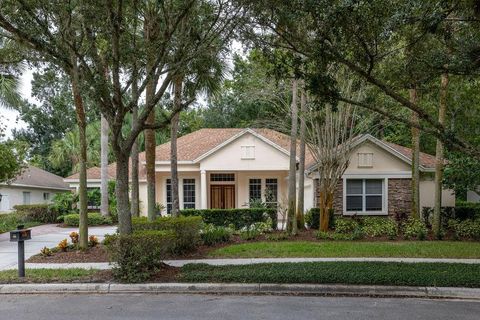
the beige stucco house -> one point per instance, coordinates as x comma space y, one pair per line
229, 167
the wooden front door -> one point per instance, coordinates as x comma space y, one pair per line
222, 196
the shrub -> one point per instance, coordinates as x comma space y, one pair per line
212, 234
277, 236
45, 252
240, 218
74, 237
379, 226
37, 212
139, 255
469, 229
312, 218
355, 235
345, 225
415, 228
64, 202
92, 241
186, 229
94, 219
63, 245
249, 234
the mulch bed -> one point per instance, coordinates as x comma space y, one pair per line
95, 254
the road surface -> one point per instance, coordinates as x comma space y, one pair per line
212, 307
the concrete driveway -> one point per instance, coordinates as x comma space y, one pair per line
48, 235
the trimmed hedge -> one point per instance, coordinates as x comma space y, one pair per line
312, 218
462, 211
37, 212
240, 218
186, 229
139, 255
94, 219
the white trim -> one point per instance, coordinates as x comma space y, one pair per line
384, 211
391, 175
32, 186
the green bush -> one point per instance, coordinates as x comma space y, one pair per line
379, 226
240, 218
94, 219
466, 229
281, 236
37, 212
212, 234
312, 218
345, 225
355, 235
64, 202
415, 228
186, 229
139, 255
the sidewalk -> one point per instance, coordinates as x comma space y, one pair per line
222, 262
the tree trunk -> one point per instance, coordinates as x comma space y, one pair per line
121, 192
326, 206
415, 159
439, 158
82, 125
135, 200
104, 166
291, 218
173, 145
301, 166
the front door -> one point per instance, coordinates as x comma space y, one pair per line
222, 196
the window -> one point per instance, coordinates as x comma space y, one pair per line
46, 196
365, 160
189, 193
364, 195
168, 188
248, 152
222, 177
255, 190
26, 197
271, 192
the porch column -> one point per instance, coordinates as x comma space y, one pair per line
203, 189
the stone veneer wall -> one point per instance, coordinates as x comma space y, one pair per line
399, 197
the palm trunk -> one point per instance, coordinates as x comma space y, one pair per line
82, 125
301, 167
291, 219
121, 192
439, 158
103, 167
415, 159
173, 146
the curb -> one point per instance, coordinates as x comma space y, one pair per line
240, 288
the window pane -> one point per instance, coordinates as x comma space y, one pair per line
169, 195
222, 177
354, 186
271, 191
373, 203
354, 203
373, 186
189, 193
255, 189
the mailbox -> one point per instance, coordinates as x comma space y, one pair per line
20, 235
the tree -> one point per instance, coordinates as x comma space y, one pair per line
12, 156
177, 98
301, 165
292, 203
104, 166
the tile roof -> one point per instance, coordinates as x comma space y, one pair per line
36, 177
193, 145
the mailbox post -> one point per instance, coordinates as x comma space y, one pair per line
19, 236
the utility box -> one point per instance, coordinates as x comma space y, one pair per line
20, 235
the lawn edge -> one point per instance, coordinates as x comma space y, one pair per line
240, 288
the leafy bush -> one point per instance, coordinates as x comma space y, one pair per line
12, 220
63, 245
467, 229
186, 229
46, 252
379, 226
415, 228
345, 225
94, 219
92, 241
240, 218
355, 235
312, 218
277, 236
74, 236
64, 202
212, 234
139, 255
37, 212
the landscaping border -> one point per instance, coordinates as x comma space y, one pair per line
239, 288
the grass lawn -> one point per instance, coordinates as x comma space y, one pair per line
48, 275
367, 273
323, 249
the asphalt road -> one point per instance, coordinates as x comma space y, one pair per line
211, 307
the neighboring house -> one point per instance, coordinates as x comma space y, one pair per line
229, 167
33, 186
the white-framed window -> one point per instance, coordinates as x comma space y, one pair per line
365, 160
189, 193
223, 177
248, 152
255, 189
26, 197
168, 189
271, 192
365, 196
46, 196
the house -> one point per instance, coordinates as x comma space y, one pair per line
230, 167
32, 186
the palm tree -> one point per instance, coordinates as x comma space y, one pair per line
9, 66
